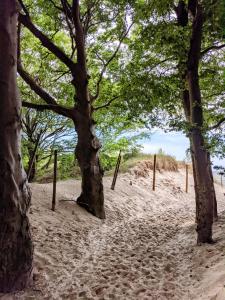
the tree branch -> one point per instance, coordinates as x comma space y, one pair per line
67, 9
56, 6
23, 7
217, 124
68, 17
105, 105
46, 42
109, 61
79, 37
213, 47
39, 107
52, 104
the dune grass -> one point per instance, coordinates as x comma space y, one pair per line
163, 162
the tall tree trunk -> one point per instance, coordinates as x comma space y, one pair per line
88, 145
202, 172
204, 183
206, 166
92, 197
16, 250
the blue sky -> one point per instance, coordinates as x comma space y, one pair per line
172, 143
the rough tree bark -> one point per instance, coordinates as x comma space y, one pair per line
204, 187
92, 197
215, 210
16, 250
186, 106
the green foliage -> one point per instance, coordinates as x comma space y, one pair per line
111, 148
47, 129
134, 152
67, 166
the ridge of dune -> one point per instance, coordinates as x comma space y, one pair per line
145, 249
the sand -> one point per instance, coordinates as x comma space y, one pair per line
145, 249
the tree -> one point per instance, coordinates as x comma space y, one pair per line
16, 253
77, 23
42, 132
192, 103
170, 83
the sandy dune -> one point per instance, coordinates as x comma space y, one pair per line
145, 249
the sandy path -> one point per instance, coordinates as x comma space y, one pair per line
145, 249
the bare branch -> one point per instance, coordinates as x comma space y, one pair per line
24, 7
67, 9
215, 95
56, 6
213, 47
61, 75
109, 61
68, 15
218, 124
105, 105
39, 107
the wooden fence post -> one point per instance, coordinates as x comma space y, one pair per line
116, 171
154, 171
54, 181
186, 187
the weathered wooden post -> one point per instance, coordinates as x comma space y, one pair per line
54, 181
154, 171
186, 187
116, 171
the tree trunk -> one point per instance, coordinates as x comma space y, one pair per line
204, 183
16, 250
215, 211
92, 197
204, 166
88, 145
33, 167
204, 188
195, 185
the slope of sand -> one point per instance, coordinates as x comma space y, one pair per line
145, 249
